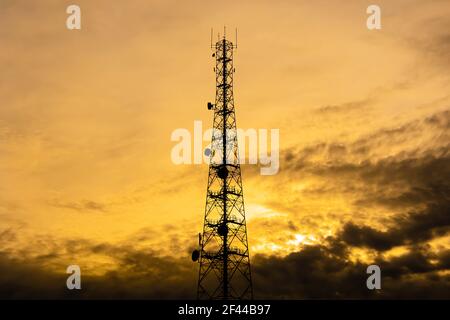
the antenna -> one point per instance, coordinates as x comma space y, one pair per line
223, 253
211, 37
235, 40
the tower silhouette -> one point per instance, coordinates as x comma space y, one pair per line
224, 271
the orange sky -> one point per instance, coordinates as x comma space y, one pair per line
86, 118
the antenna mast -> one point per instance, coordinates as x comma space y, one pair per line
223, 255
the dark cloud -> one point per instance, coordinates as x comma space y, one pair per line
413, 178
137, 274
25, 280
413, 184
416, 179
412, 228
315, 271
323, 155
327, 272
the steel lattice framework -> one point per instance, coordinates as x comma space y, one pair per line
224, 271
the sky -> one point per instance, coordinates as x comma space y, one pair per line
86, 117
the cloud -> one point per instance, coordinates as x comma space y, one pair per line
345, 107
7, 235
81, 206
315, 271
412, 228
416, 138
325, 271
396, 168
376, 173
137, 273
56, 133
433, 38
390, 186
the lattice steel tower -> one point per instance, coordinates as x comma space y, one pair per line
223, 255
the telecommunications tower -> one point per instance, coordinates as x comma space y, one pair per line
223, 254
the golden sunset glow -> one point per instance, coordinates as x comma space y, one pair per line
86, 116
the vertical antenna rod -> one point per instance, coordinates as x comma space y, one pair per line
224, 163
